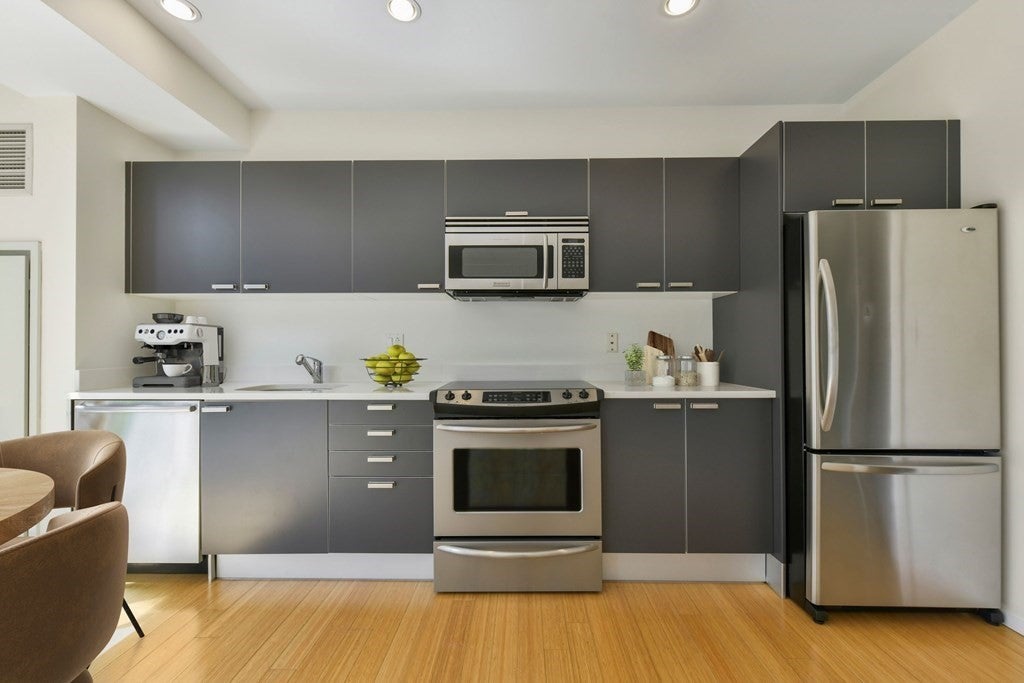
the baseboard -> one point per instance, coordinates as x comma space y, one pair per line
683, 567
383, 566
775, 575
1013, 622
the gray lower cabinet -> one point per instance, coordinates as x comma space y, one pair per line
381, 484
643, 476
542, 187
728, 476
263, 467
296, 230
686, 476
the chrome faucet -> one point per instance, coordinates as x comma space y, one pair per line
314, 367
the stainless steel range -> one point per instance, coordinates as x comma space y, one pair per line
517, 486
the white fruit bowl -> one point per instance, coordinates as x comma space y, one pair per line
392, 372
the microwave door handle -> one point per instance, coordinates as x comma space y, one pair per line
546, 263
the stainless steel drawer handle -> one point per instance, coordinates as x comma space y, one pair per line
847, 202
853, 468
668, 406
256, 287
516, 430
380, 458
703, 406
224, 287
428, 286
886, 202
381, 484
680, 285
517, 555
97, 410
380, 406
648, 285
215, 409
380, 432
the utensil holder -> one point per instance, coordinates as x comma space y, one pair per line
708, 374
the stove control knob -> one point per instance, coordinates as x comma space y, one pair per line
584, 394
449, 396
466, 395
566, 394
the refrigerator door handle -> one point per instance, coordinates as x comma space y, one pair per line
828, 283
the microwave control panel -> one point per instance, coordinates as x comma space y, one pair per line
573, 258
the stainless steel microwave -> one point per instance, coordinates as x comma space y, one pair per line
517, 256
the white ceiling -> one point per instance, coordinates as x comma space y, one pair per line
191, 85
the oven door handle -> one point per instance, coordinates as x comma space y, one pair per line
516, 430
517, 555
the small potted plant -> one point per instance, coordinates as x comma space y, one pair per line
635, 375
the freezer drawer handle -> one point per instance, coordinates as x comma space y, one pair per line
515, 555
381, 484
380, 432
380, 406
853, 468
216, 409
828, 283
99, 410
516, 430
380, 458
847, 202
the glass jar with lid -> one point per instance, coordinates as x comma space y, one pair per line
664, 375
686, 373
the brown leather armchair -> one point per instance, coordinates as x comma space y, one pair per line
61, 595
87, 468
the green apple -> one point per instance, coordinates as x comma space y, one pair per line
395, 350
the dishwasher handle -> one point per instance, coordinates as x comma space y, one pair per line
85, 409
858, 468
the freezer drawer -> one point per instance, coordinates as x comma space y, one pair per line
904, 531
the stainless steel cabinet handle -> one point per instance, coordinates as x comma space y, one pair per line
96, 410
515, 430
703, 406
886, 202
668, 406
256, 287
680, 285
828, 283
380, 406
224, 287
517, 555
853, 468
847, 202
428, 286
215, 409
380, 484
380, 432
380, 458
648, 285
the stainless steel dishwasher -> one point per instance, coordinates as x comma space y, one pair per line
161, 489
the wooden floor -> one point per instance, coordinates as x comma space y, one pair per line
402, 631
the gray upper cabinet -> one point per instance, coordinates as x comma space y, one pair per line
824, 165
643, 475
542, 187
626, 224
702, 224
263, 477
182, 228
907, 164
398, 226
296, 226
728, 476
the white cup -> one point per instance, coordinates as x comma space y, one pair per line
176, 369
708, 374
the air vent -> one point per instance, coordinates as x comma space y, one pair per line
15, 159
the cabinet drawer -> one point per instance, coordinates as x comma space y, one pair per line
381, 463
381, 515
382, 412
380, 437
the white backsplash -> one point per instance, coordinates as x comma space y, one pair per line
461, 340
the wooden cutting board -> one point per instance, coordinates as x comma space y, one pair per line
662, 343
651, 361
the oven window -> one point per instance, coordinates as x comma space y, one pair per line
517, 480
496, 262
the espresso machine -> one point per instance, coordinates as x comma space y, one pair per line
178, 340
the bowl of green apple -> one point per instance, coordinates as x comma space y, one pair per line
394, 367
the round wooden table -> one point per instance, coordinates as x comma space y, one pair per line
25, 498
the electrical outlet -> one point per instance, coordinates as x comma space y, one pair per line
392, 338
612, 343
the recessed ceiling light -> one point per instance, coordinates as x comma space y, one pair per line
677, 8
403, 10
181, 9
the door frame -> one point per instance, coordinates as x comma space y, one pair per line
31, 252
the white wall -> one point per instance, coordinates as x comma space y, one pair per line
973, 70
48, 216
105, 314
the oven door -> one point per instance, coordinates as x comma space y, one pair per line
517, 478
514, 261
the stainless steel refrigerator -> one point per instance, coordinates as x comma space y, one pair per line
893, 409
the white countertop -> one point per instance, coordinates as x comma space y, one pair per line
363, 390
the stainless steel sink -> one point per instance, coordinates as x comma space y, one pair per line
292, 387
